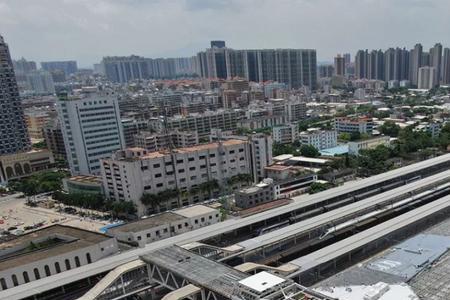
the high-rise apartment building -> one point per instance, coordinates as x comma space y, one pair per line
13, 130
375, 65
91, 128
40, 82
427, 78
325, 71
446, 67
218, 44
415, 63
68, 67
339, 65
361, 64
294, 67
23, 66
126, 68
347, 58
436, 61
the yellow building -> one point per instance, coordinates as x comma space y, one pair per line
36, 120
19, 165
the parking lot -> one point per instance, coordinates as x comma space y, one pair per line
14, 213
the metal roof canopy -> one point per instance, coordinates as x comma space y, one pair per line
197, 269
106, 264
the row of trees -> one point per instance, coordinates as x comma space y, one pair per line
295, 149
96, 202
43, 182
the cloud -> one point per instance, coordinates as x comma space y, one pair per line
86, 30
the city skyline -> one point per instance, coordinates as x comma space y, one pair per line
289, 26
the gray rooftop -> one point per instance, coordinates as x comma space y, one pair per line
143, 224
412, 256
197, 269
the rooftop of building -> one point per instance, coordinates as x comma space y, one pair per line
195, 210
144, 154
278, 167
86, 179
308, 160
150, 222
353, 118
71, 239
282, 157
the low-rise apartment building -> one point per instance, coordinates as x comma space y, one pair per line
166, 224
285, 134
160, 141
320, 139
132, 172
255, 195
353, 125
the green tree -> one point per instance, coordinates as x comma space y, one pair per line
344, 136
309, 151
318, 187
355, 136
390, 128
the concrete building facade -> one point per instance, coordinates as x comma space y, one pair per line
320, 139
135, 171
91, 128
353, 124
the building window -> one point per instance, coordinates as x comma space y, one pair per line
47, 271
148, 235
77, 261
57, 267
67, 264
139, 238
36, 274
88, 258
3, 283
14, 280
25, 277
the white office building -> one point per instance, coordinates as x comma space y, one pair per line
135, 171
320, 139
91, 128
285, 134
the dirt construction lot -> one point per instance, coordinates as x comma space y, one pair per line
14, 213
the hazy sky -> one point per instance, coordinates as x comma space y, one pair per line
86, 30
